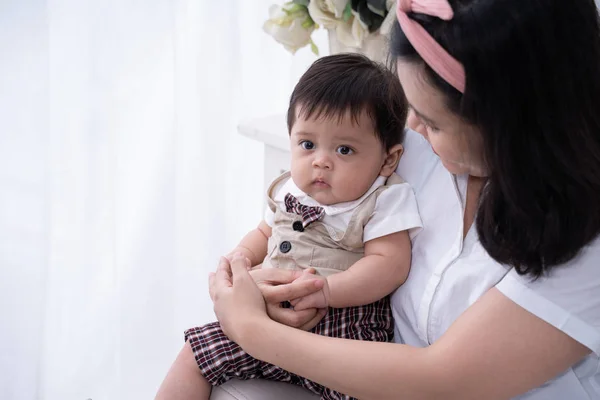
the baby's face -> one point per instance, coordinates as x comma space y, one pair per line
335, 160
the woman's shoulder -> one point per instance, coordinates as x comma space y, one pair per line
567, 297
577, 278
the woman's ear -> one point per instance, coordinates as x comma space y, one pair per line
391, 160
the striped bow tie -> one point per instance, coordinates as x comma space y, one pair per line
309, 214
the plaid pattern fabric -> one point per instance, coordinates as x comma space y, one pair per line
221, 359
309, 214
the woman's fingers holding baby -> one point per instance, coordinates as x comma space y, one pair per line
224, 268
288, 316
276, 285
279, 285
321, 312
305, 319
230, 257
274, 276
315, 300
217, 280
240, 265
277, 294
237, 300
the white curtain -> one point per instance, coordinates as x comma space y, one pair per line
122, 179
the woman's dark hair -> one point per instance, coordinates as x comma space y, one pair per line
336, 84
533, 90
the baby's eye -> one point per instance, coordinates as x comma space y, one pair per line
307, 145
344, 150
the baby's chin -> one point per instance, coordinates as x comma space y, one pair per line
325, 199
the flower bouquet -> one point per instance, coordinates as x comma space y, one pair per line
353, 25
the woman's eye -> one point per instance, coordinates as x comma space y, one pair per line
307, 145
345, 150
430, 128
426, 125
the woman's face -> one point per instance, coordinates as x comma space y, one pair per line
457, 143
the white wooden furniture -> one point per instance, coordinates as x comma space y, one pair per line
273, 133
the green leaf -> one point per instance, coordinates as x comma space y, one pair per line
347, 14
301, 2
308, 23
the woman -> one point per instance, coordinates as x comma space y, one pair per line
503, 298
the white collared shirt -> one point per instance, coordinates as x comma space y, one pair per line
448, 274
395, 210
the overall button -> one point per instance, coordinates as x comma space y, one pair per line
285, 247
297, 226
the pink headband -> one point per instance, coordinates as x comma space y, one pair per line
432, 53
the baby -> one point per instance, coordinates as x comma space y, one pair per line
341, 211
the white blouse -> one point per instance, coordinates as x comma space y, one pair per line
448, 274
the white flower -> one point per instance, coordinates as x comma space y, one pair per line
328, 13
390, 18
291, 26
359, 29
352, 33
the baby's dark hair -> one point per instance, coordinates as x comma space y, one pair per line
336, 84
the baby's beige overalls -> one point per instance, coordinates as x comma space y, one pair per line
292, 246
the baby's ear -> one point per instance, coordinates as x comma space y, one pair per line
391, 160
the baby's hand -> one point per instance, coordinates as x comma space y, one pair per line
318, 299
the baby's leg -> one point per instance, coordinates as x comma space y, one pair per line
209, 358
184, 380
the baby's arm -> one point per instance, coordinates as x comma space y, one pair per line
254, 244
382, 270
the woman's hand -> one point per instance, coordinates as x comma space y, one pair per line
278, 285
304, 319
237, 300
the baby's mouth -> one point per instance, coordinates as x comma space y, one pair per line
320, 182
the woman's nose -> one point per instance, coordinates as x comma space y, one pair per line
413, 122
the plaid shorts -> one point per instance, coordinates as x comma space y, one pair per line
221, 359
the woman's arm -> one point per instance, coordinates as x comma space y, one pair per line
495, 350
